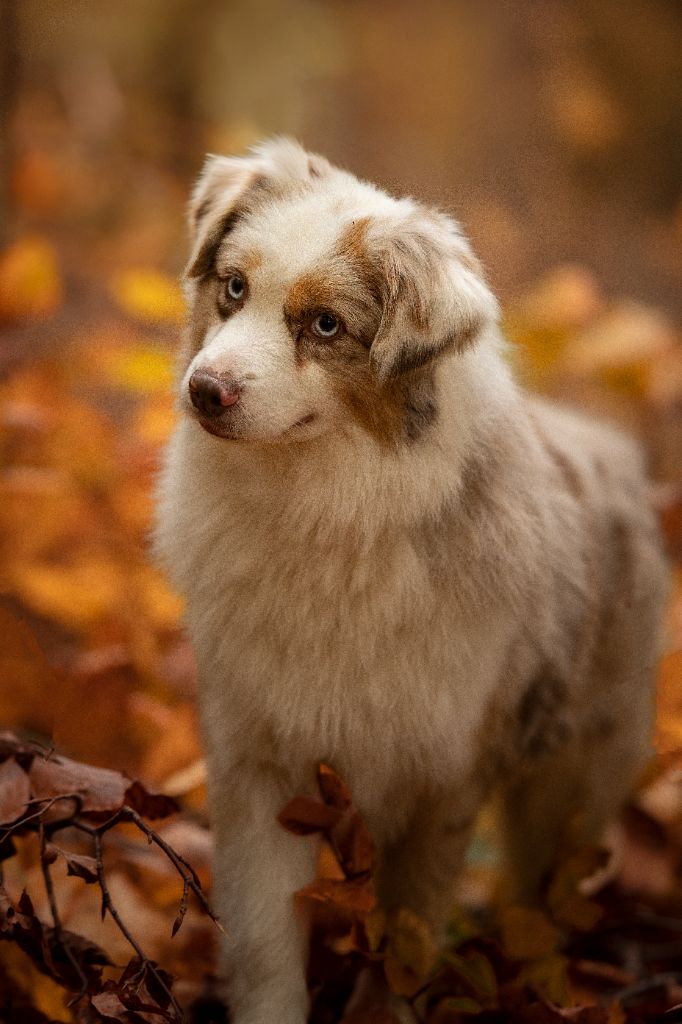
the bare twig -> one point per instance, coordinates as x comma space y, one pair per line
189, 876
146, 965
56, 921
34, 821
190, 879
49, 802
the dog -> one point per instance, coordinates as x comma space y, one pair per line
393, 559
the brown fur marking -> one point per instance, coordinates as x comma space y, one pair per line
348, 285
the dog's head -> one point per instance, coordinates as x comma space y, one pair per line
318, 301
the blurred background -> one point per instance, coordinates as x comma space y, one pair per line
550, 128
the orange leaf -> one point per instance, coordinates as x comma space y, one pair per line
29, 279
356, 897
334, 790
305, 814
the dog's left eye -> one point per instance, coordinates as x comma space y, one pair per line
325, 325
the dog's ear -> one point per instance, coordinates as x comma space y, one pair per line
215, 207
229, 187
433, 294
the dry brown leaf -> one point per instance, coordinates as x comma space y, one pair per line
14, 791
527, 934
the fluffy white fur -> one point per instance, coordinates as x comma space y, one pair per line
429, 616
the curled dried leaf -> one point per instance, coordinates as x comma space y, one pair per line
305, 815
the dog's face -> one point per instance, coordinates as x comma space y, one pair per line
319, 303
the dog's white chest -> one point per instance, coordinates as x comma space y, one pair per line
330, 640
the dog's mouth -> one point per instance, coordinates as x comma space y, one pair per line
303, 421
213, 427
219, 428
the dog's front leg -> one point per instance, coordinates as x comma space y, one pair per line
258, 868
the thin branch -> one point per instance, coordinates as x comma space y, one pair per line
184, 868
107, 905
49, 802
56, 921
190, 879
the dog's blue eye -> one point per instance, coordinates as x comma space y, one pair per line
325, 325
235, 287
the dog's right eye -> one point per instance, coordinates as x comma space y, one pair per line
235, 287
231, 294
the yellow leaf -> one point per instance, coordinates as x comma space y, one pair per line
77, 594
29, 279
540, 347
411, 941
140, 368
149, 295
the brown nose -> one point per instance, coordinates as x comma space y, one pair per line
211, 394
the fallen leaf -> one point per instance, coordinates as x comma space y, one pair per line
527, 934
353, 897
79, 865
411, 952
14, 792
305, 814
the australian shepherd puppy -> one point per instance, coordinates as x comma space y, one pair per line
393, 559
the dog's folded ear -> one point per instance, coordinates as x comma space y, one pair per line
228, 187
433, 294
214, 206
